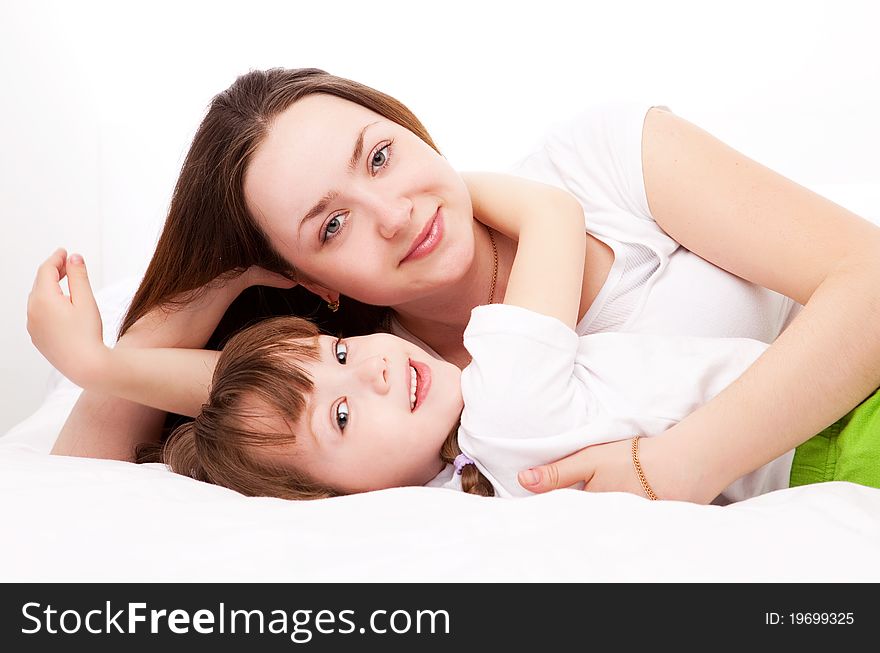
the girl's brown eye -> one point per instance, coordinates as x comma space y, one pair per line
342, 415
340, 350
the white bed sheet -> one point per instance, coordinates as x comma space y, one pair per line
77, 519
91, 520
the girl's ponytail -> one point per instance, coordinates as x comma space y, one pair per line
181, 455
472, 480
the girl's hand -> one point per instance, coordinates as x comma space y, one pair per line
609, 468
66, 329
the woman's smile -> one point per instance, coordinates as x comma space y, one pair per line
377, 218
427, 240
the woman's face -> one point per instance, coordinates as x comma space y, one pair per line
358, 204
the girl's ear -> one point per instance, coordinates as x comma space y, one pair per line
323, 292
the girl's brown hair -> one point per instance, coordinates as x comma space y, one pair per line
209, 230
258, 375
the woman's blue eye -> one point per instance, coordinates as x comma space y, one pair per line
334, 226
340, 349
342, 415
337, 223
379, 156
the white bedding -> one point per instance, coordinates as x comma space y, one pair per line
76, 519
86, 520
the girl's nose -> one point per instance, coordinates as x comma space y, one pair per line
374, 372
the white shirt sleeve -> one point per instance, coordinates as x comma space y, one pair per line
523, 402
520, 382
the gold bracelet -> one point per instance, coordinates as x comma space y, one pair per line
639, 472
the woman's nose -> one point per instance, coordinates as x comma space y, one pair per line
374, 372
393, 217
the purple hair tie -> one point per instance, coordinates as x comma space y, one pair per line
460, 461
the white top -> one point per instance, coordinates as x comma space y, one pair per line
535, 391
655, 285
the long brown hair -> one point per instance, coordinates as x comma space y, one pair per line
209, 230
259, 375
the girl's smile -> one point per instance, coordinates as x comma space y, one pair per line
378, 416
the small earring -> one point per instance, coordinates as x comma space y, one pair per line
333, 306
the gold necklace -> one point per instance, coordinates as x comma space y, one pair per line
494, 265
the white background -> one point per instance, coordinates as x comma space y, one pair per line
100, 100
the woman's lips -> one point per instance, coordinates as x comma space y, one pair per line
423, 382
427, 241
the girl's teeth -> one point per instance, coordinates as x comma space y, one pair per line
412, 387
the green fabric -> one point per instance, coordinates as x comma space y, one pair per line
848, 450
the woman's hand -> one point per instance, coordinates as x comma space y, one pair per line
253, 276
66, 329
609, 468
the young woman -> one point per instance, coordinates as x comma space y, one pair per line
340, 188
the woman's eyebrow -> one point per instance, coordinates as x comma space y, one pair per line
353, 162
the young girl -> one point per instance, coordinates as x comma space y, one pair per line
296, 414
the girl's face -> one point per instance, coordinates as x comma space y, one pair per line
358, 204
380, 412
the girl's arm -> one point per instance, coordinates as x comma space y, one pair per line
548, 268
67, 330
766, 229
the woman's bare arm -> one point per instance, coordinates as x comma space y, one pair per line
766, 229
103, 426
762, 227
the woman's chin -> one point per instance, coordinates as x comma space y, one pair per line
441, 271
456, 264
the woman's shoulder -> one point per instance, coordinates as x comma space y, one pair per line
604, 133
601, 120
